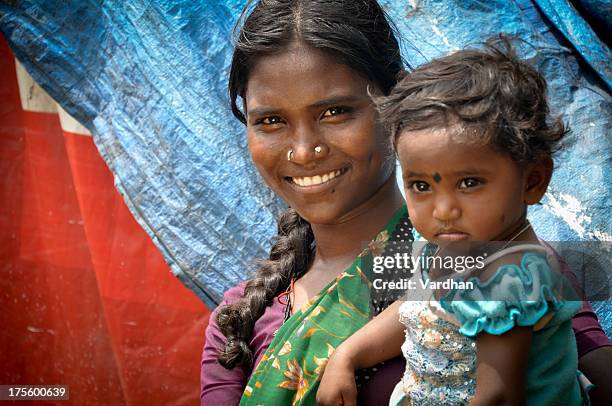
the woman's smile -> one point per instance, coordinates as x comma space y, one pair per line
318, 182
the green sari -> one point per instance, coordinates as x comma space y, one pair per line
290, 371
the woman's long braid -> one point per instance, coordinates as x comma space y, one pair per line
289, 258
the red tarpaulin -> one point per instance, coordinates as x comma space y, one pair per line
85, 297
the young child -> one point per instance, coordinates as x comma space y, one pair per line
474, 140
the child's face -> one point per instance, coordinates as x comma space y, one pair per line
460, 191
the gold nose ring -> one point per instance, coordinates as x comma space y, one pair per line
289, 155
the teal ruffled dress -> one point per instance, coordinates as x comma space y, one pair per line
440, 347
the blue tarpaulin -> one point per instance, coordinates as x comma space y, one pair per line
148, 79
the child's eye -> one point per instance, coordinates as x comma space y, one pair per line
469, 183
335, 111
419, 186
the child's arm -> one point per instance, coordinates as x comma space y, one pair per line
379, 340
501, 369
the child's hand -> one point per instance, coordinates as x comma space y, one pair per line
338, 383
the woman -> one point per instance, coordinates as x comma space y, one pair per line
305, 71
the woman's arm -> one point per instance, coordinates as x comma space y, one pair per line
595, 354
501, 369
594, 347
597, 366
219, 386
379, 340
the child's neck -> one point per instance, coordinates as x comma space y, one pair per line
521, 231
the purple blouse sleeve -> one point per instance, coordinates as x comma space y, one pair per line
589, 333
377, 390
220, 386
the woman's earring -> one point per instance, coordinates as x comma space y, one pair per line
289, 155
318, 149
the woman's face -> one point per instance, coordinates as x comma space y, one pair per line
303, 105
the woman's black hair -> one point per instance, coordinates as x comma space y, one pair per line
356, 33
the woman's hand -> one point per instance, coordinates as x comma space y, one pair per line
338, 383
379, 340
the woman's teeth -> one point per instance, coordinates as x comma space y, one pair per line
317, 179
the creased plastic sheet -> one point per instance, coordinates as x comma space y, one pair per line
86, 299
149, 80
146, 79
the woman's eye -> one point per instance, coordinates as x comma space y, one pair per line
269, 120
334, 111
419, 186
469, 183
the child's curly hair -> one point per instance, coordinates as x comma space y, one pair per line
489, 93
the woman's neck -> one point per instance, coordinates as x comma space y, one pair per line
340, 243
